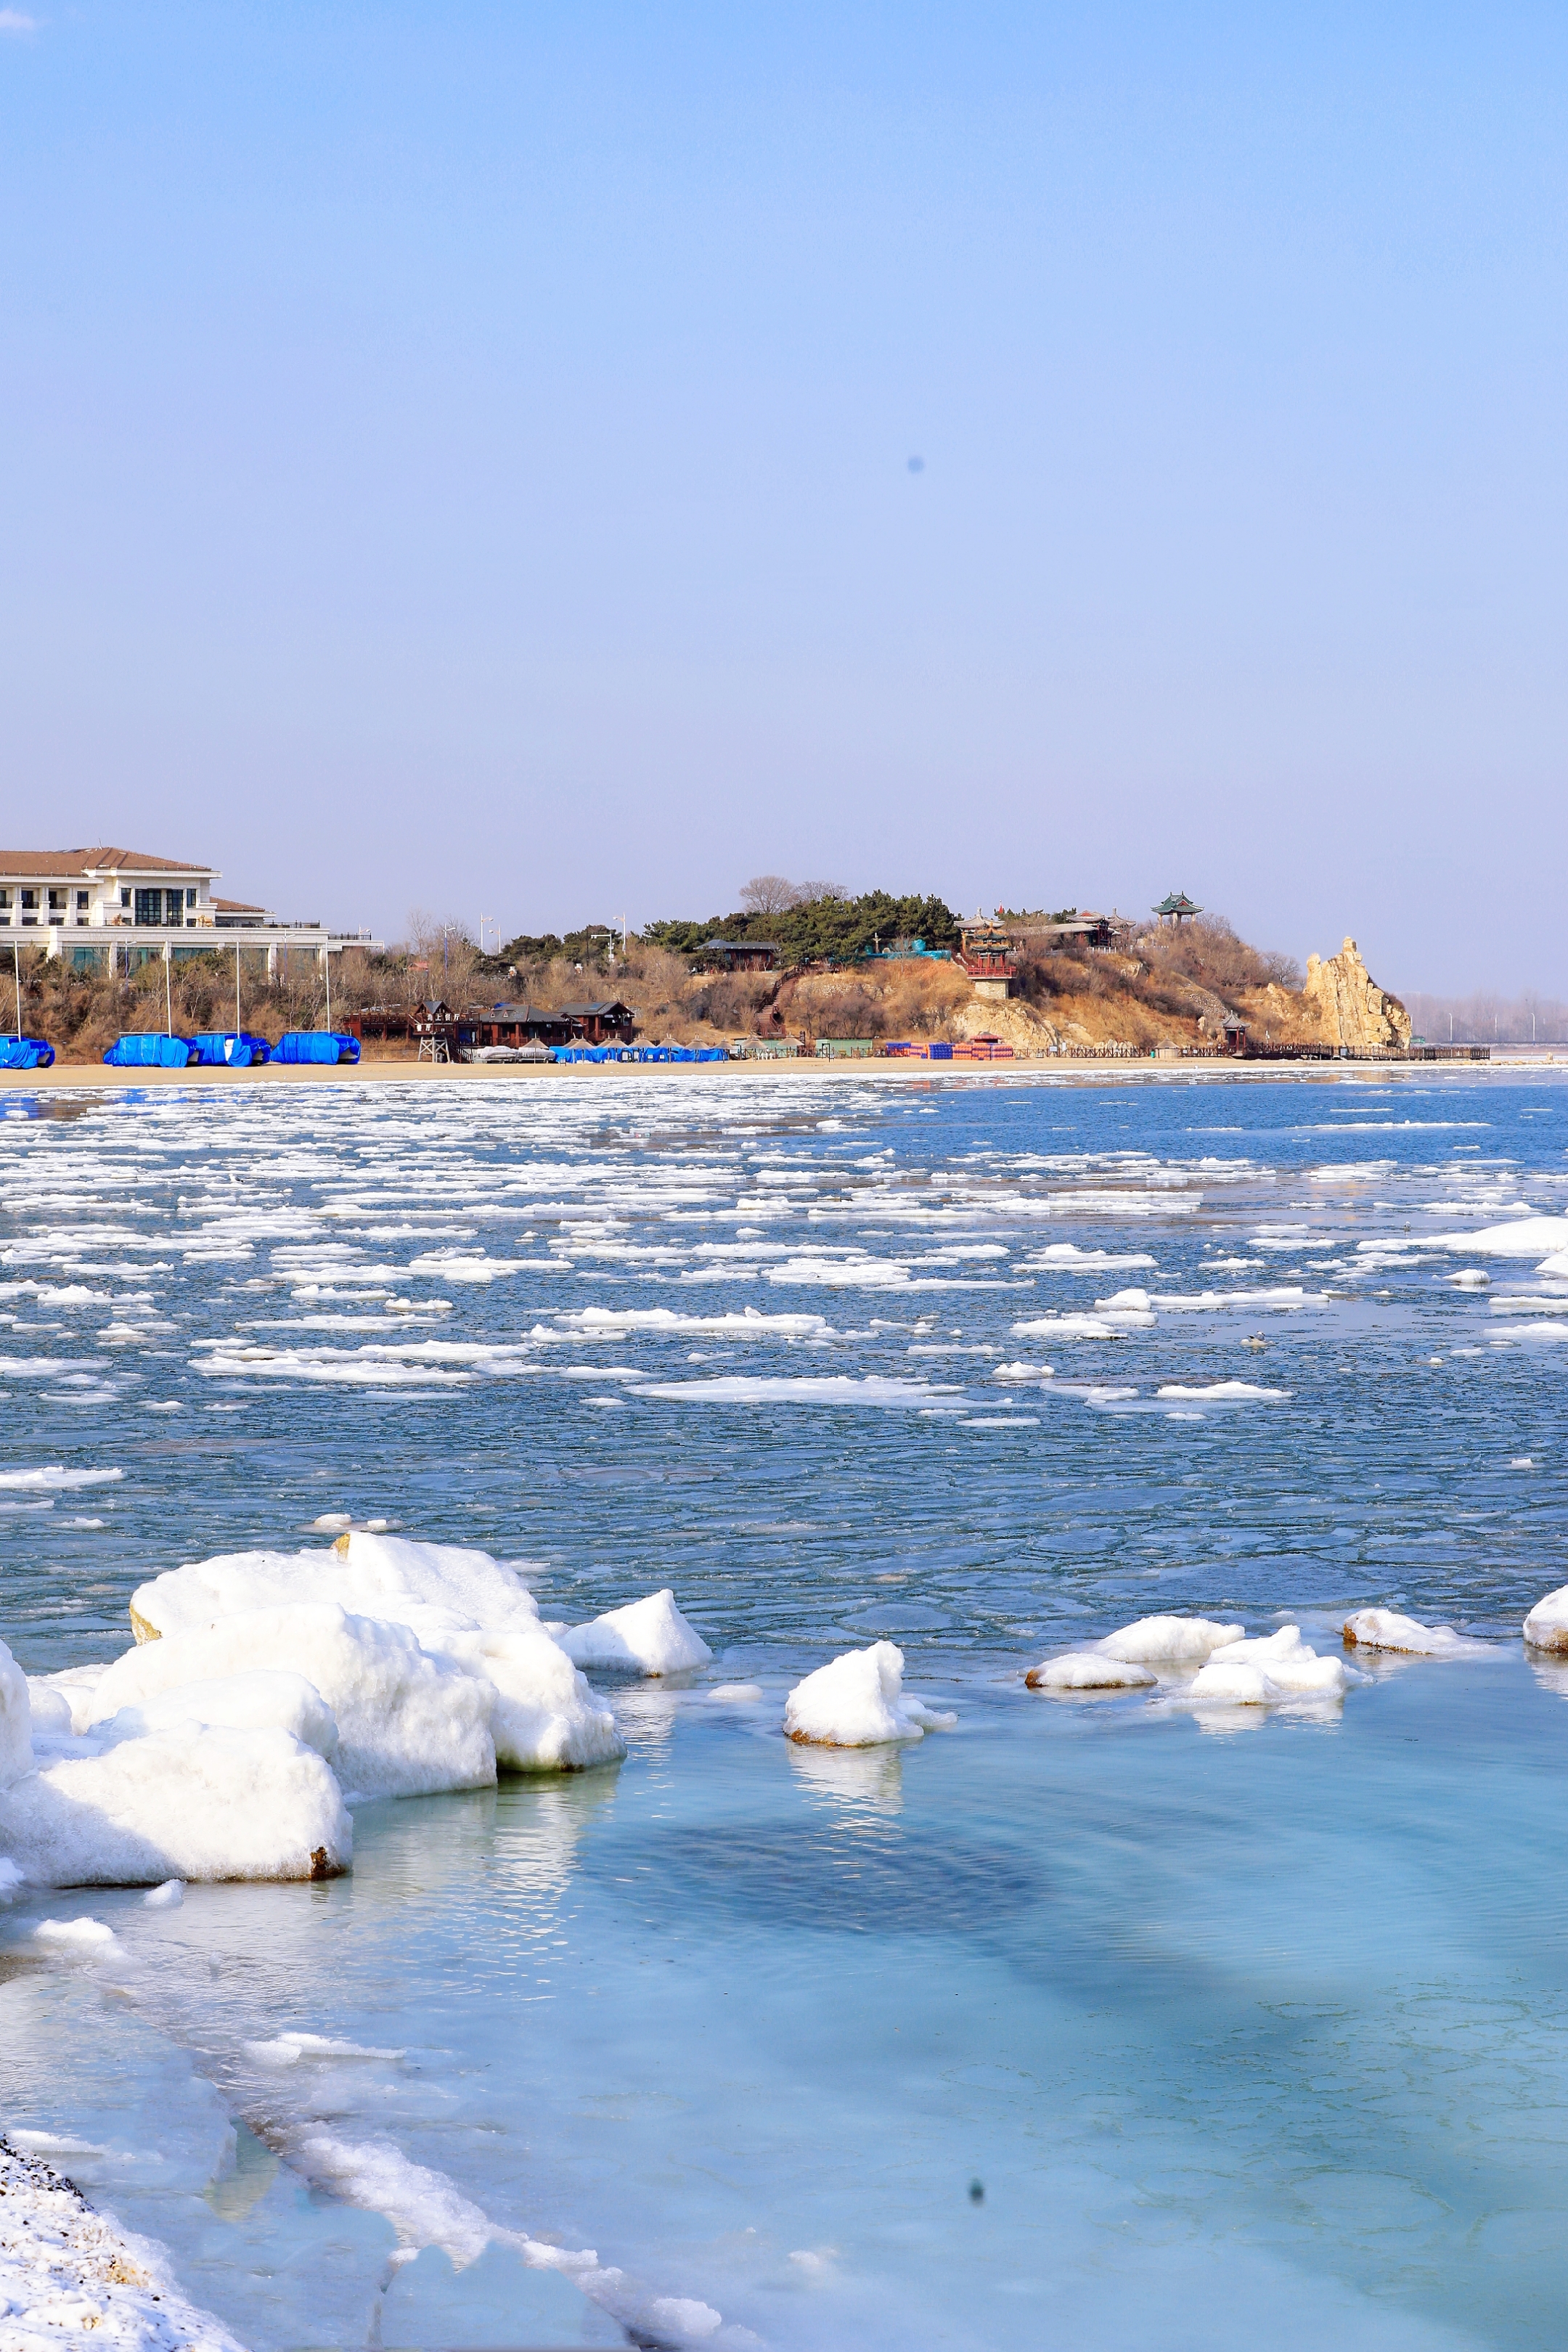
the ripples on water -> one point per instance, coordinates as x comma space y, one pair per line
1259, 2029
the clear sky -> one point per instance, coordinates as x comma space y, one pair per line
460, 457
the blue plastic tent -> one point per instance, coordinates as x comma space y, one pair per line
25, 1053
149, 1049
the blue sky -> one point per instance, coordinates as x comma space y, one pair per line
459, 457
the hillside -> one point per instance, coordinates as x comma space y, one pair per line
1159, 989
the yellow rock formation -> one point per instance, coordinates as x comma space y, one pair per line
1348, 1007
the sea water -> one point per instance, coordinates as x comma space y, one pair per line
1099, 2021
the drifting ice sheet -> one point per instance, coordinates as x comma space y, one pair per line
1546, 1627
1087, 1670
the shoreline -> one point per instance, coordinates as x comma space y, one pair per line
89, 1077
70, 2276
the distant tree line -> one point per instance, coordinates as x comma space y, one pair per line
814, 922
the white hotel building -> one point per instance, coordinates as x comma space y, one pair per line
113, 909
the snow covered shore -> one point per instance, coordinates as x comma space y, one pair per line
69, 2277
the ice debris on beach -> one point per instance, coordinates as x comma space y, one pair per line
68, 2278
858, 1700
1384, 1629
267, 1691
1546, 1627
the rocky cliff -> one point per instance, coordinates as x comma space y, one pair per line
1349, 1008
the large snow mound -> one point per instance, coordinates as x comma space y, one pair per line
262, 1698
1384, 1629
1168, 1640
408, 1724
1273, 1666
188, 1802
429, 1588
1546, 1627
650, 1637
859, 1701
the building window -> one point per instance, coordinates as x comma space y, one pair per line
125, 898
190, 897
5, 898
81, 901
29, 897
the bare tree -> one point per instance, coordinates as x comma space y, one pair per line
810, 894
769, 893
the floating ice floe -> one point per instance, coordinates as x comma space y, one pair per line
832, 1388
749, 1323
1169, 1641
1546, 1627
56, 1480
1261, 1672
1225, 1393
1384, 1629
859, 1701
1522, 1237
1083, 1670
648, 1637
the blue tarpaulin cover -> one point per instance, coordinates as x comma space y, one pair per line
260, 1051
221, 1048
149, 1050
25, 1053
315, 1045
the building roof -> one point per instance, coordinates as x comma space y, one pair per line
742, 947
581, 1012
236, 906
53, 864
1176, 902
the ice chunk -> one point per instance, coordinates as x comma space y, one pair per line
859, 1701
1521, 1238
426, 1587
1168, 1640
167, 1898
651, 1637
1235, 1685
735, 1694
544, 1716
1282, 1663
1082, 1669
252, 1701
84, 1935
1384, 1629
15, 1721
189, 1803
1225, 1393
408, 1724
1546, 1627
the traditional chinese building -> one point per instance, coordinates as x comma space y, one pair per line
986, 955
1176, 908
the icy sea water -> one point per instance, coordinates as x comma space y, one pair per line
1242, 2028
